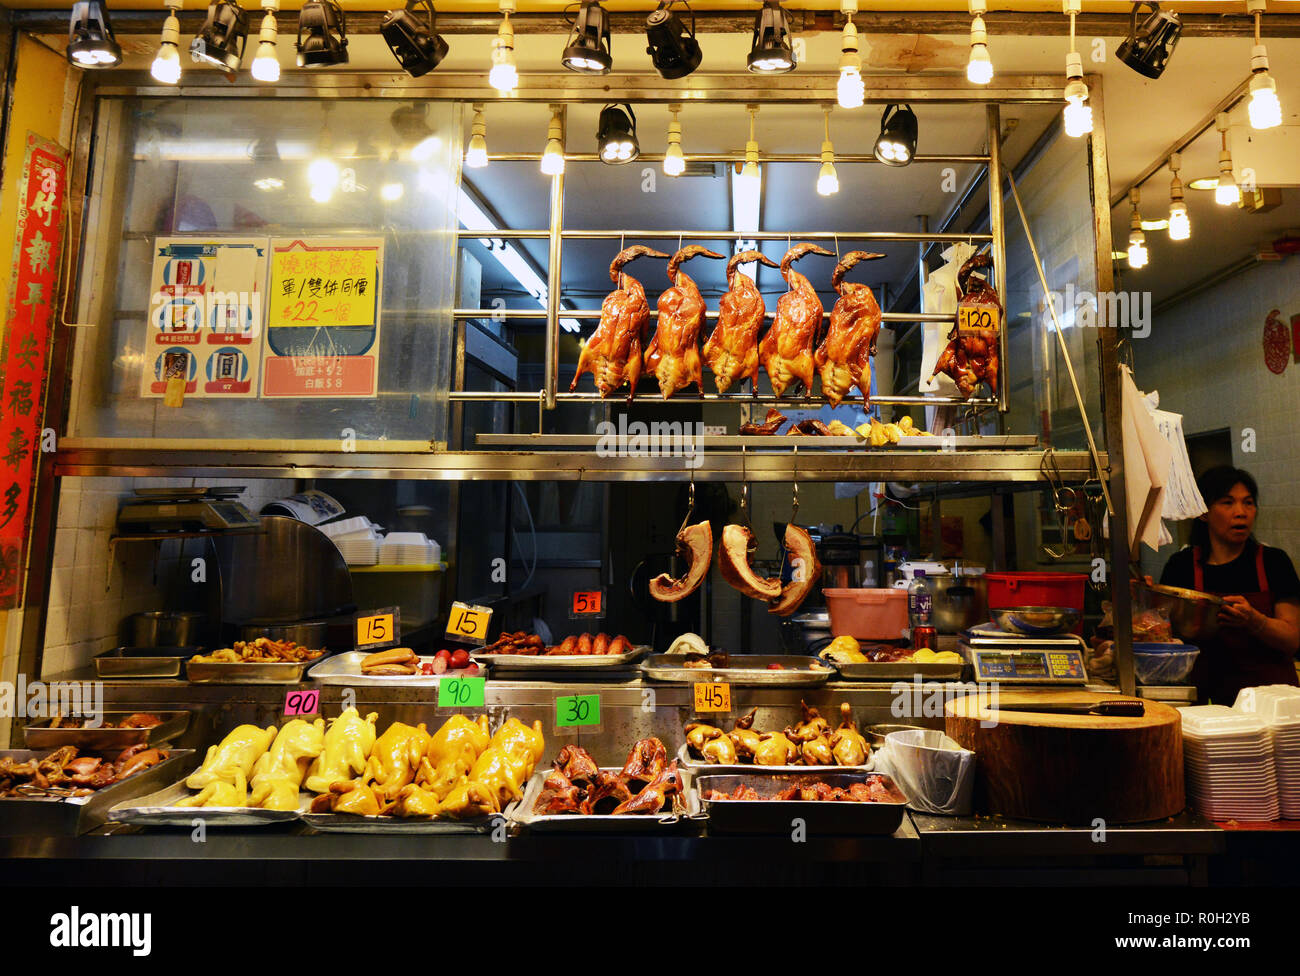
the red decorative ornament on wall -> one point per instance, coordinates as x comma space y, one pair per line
1276, 342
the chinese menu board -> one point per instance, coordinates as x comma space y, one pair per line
29, 322
205, 318
322, 329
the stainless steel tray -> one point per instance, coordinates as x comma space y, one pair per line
51, 816
345, 669
231, 673
42, 736
698, 767
894, 670
603, 823
503, 664
143, 662
776, 816
160, 810
797, 672
355, 823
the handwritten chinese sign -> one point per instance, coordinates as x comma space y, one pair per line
323, 320
29, 323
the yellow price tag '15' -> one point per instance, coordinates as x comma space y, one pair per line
712, 696
468, 624
378, 629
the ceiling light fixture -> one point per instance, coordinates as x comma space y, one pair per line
979, 69
220, 41
1078, 113
850, 90
616, 135
673, 49
504, 76
1148, 48
770, 52
588, 50
414, 40
1203, 183
896, 144
1226, 191
266, 63
749, 171
674, 161
553, 157
1265, 110
747, 198
322, 34
1137, 249
1180, 227
166, 66
90, 37
827, 181
476, 156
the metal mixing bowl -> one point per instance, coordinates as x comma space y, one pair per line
1036, 621
1195, 615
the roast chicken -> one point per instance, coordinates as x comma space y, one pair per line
278, 774
656, 794
848, 746
738, 544
514, 732
844, 357
731, 351
695, 546
711, 744
775, 749
806, 573
674, 352
971, 356
235, 754
744, 738
787, 349
219, 793
347, 746
395, 758
613, 353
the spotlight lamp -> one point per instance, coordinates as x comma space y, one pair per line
1227, 193
266, 63
553, 157
588, 50
412, 37
672, 47
896, 144
1137, 248
850, 90
616, 135
166, 66
979, 69
1180, 227
322, 35
476, 156
1265, 110
770, 51
90, 37
220, 41
1148, 48
504, 75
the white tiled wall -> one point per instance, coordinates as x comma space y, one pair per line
1206, 357
88, 599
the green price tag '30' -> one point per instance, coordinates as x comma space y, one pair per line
574, 710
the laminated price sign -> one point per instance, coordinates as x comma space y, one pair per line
577, 710
468, 624
302, 702
588, 603
972, 319
378, 630
712, 696
461, 692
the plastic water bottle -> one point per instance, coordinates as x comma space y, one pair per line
920, 608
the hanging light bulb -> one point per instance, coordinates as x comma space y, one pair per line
674, 161
553, 157
1137, 241
504, 76
1226, 193
1180, 227
827, 181
979, 69
850, 90
1265, 110
166, 66
266, 64
749, 173
1078, 113
476, 153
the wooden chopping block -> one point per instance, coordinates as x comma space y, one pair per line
1071, 768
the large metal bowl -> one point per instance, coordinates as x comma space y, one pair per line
1036, 621
1195, 615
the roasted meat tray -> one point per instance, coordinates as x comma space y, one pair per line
742, 670
105, 738
685, 814
771, 816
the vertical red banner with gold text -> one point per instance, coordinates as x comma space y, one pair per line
24, 356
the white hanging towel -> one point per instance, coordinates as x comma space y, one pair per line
939, 296
1182, 498
1147, 457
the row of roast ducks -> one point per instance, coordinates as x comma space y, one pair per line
789, 351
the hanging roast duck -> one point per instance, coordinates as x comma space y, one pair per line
787, 349
844, 357
674, 352
613, 353
732, 349
971, 355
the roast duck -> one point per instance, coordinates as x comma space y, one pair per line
844, 356
613, 353
674, 352
731, 351
647, 784
972, 356
739, 544
695, 546
787, 349
64, 772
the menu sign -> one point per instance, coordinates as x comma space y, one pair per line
29, 323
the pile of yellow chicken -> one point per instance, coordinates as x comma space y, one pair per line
810, 742
254, 767
460, 771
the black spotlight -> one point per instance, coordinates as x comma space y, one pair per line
588, 50
616, 135
413, 38
322, 34
770, 52
90, 37
896, 144
220, 41
672, 48
1148, 48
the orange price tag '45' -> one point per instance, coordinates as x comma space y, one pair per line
712, 696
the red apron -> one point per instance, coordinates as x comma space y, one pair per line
1233, 660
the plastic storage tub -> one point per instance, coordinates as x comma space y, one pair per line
1037, 590
868, 614
1164, 664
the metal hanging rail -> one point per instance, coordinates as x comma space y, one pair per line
742, 399
594, 313
739, 157
899, 237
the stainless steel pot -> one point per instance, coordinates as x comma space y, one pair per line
167, 628
959, 602
310, 634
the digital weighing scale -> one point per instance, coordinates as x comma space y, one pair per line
998, 656
186, 510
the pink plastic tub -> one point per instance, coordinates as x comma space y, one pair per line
868, 614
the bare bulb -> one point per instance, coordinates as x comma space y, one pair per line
166, 67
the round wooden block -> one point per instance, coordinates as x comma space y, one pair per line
1071, 768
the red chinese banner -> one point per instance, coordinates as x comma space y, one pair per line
24, 355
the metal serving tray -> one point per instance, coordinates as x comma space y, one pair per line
68, 817
603, 823
160, 810
796, 670
894, 670
243, 673
355, 823
41, 736
503, 664
345, 669
144, 662
698, 767
775, 816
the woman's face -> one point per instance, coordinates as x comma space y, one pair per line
1231, 518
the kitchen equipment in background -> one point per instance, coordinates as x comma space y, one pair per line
416, 590
167, 628
1028, 589
312, 506
868, 613
999, 656
1036, 621
848, 560
143, 662
959, 602
1194, 615
310, 634
1164, 664
158, 510
807, 632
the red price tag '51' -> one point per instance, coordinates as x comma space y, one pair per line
590, 603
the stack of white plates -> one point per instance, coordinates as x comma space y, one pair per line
1228, 758
408, 548
359, 548
357, 525
1279, 708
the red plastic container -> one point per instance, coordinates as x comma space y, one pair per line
867, 613
1036, 590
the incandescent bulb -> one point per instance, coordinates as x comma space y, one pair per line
979, 69
166, 67
850, 90
476, 153
827, 181
553, 158
266, 66
674, 161
1078, 118
392, 192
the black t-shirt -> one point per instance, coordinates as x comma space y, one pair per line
1238, 576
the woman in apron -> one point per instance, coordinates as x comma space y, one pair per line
1259, 622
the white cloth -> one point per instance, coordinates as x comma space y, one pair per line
939, 296
1147, 456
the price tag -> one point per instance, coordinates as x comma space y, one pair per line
589, 603
460, 692
712, 696
574, 710
301, 702
975, 318
468, 624
379, 629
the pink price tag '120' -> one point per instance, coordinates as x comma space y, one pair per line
301, 703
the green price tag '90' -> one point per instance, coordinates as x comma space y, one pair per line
572, 710
460, 692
